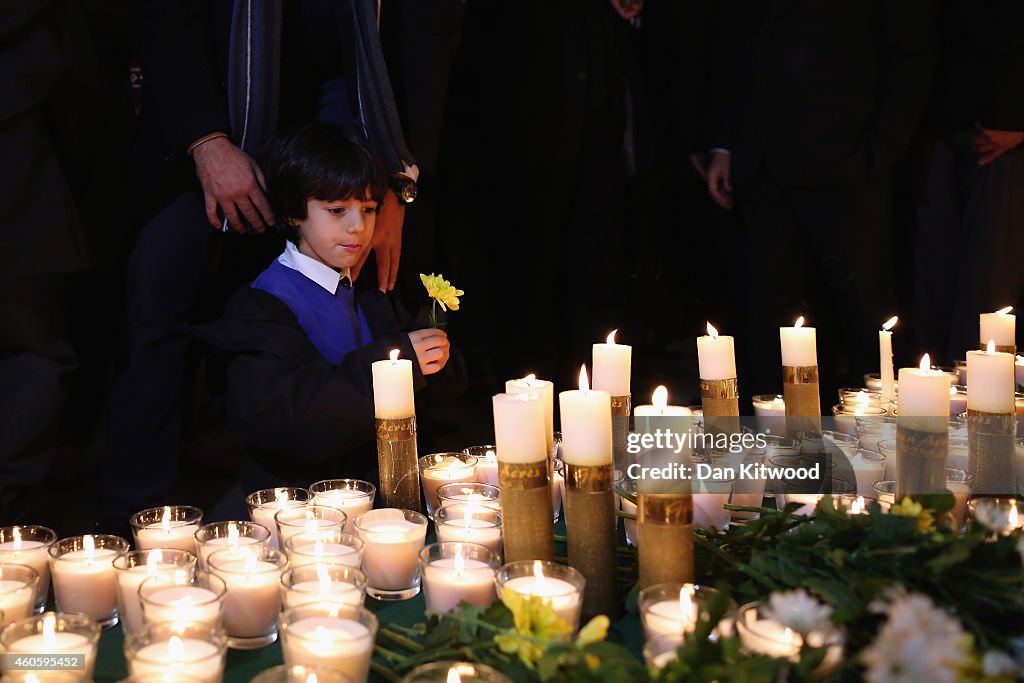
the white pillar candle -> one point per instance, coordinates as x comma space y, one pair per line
85, 581
671, 616
924, 393
393, 396
166, 602
990, 386
50, 641
167, 533
519, 428
18, 586
799, 345
612, 367
253, 591
563, 597
546, 390
1000, 326
885, 359
716, 357
449, 581
134, 568
190, 656
338, 643
586, 425
393, 541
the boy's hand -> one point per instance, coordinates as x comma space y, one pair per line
432, 348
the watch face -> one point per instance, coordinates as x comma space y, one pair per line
407, 192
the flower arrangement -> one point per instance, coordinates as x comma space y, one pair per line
441, 293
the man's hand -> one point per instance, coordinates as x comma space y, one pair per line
432, 348
628, 9
232, 180
719, 184
699, 161
992, 144
387, 242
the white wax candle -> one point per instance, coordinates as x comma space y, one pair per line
670, 616
264, 516
799, 345
768, 637
128, 582
991, 382
867, 472
17, 598
475, 499
61, 642
393, 388
885, 360
659, 405
561, 595
1000, 326
586, 425
446, 583
546, 391
253, 598
225, 543
471, 530
316, 592
612, 366
324, 553
333, 642
390, 554
31, 554
305, 526
182, 603
957, 401
189, 656
924, 393
353, 503
716, 357
449, 471
178, 535
1018, 371
519, 428
709, 510
86, 583
487, 468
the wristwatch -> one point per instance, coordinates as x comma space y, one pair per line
404, 186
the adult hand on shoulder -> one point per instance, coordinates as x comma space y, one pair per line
719, 184
387, 242
232, 180
628, 9
432, 349
992, 144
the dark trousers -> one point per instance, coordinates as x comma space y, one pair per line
970, 238
144, 433
826, 254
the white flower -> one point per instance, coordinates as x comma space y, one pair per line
996, 663
798, 610
919, 642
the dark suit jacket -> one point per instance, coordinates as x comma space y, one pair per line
821, 92
304, 418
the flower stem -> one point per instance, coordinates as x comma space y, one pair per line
384, 672
400, 640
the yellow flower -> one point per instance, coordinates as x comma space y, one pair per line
595, 631
908, 508
442, 291
536, 626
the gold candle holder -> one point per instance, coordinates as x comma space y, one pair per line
991, 451
590, 529
622, 407
397, 462
803, 400
922, 446
665, 538
526, 511
720, 402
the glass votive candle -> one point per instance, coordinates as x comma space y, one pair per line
165, 677
777, 444
438, 469
465, 672
486, 463
351, 496
310, 519
557, 488
709, 500
868, 467
457, 572
887, 448
1000, 515
69, 676
300, 674
961, 372
874, 428
29, 545
229, 536
860, 505
19, 586
628, 486
323, 583
393, 541
761, 633
170, 526
325, 547
860, 396
253, 599
182, 597
957, 400
341, 638
672, 607
53, 633
845, 415
660, 650
136, 566
263, 505
193, 649
770, 411
84, 578
468, 523
483, 495
558, 585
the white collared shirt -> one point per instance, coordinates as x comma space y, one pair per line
322, 274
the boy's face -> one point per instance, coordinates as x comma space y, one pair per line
337, 233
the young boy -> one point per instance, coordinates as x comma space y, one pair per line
302, 336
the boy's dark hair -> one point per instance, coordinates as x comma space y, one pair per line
322, 161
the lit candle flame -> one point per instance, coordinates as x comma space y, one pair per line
49, 632
311, 526
280, 496
779, 402
458, 563
323, 577
799, 322
712, 331
952, 391
16, 545
453, 676
890, 323
659, 399
861, 397
791, 638
251, 563
89, 546
611, 338
686, 610
175, 649
394, 356
1004, 311
1013, 520
165, 519
31, 678
926, 363
991, 348
538, 572
181, 577
468, 519
318, 548
322, 634
311, 678
232, 535
530, 378
584, 381
857, 507
153, 562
